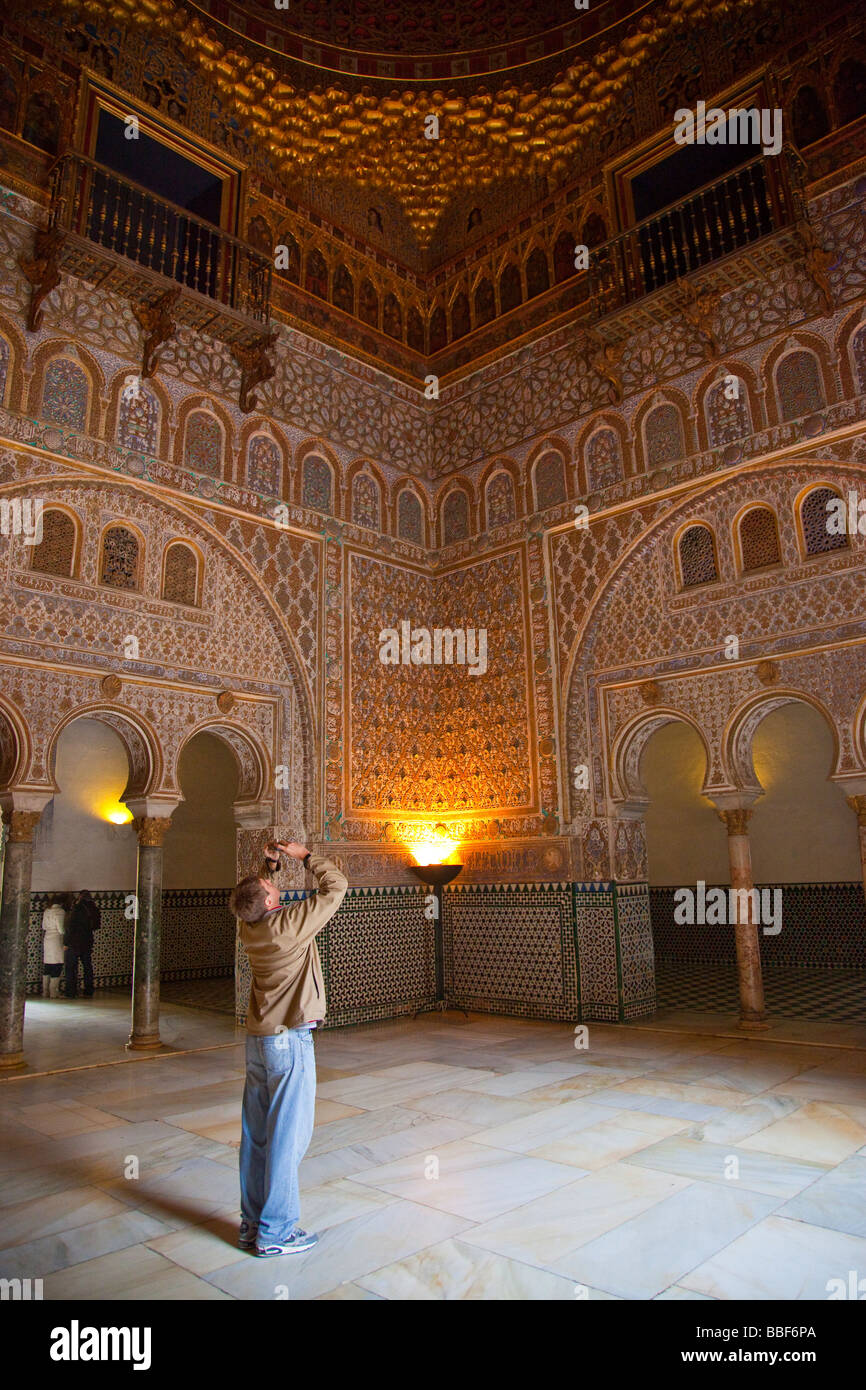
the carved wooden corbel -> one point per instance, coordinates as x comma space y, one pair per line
816, 263
43, 271
256, 366
698, 308
157, 325
605, 363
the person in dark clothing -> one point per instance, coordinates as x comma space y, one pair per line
84, 920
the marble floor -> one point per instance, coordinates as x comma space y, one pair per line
453, 1158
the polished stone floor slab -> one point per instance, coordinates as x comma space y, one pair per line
837, 1200
669, 1239
563, 1173
780, 1259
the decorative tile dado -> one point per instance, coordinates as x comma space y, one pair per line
511, 949
198, 934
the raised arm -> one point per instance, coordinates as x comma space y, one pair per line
305, 919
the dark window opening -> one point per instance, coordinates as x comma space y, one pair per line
704, 201
134, 224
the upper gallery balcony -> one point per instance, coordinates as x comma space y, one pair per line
174, 267
737, 228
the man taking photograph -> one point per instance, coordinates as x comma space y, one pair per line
287, 1001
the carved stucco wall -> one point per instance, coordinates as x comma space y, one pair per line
805, 616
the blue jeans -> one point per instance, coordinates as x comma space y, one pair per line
277, 1126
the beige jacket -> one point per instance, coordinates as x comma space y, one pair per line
288, 988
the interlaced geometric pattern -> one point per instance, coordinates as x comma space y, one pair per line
137, 420
181, 574
664, 435
204, 444
549, 481
55, 552
603, 460
365, 501
409, 519
759, 539
317, 484
727, 414
815, 517
263, 466
697, 556
119, 559
500, 500
64, 394
434, 738
798, 382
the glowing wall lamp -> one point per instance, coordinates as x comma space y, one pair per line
432, 871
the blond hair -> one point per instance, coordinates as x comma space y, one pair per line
249, 899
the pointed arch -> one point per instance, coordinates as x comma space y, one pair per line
410, 518
89, 410
589, 461
213, 450
718, 418
263, 465
311, 483
139, 414
807, 384
59, 551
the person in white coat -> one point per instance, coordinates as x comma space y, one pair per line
53, 920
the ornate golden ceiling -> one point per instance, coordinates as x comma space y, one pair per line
401, 27
372, 134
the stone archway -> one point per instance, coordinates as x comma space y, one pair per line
738, 738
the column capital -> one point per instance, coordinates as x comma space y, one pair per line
735, 818
22, 825
151, 830
858, 806
20, 802
635, 808
147, 806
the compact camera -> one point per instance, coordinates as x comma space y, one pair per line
273, 860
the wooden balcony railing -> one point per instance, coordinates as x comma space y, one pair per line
94, 203
753, 202
174, 268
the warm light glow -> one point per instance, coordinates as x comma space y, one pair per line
433, 851
117, 814
432, 845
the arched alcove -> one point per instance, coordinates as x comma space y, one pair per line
83, 838
200, 850
801, 830
685, 840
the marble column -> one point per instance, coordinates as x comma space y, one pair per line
858, 806
753, 1013
14, 925
148, 929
